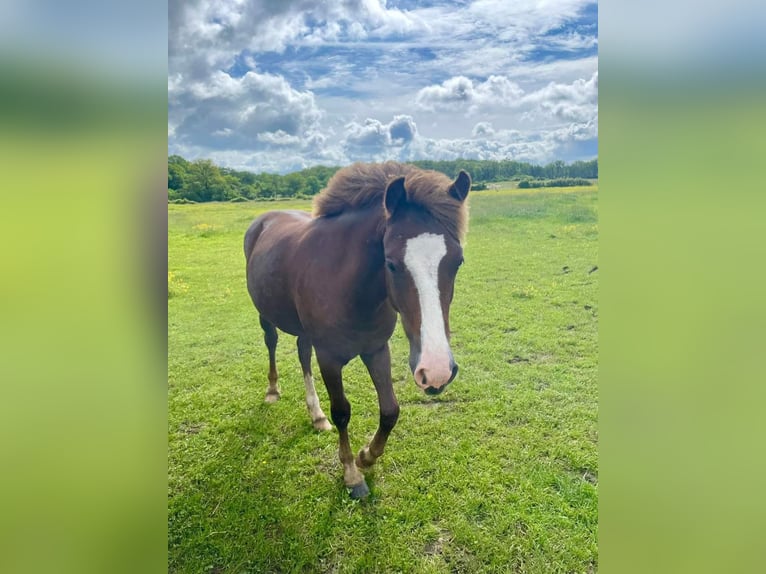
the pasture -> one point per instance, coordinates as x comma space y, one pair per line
497, 474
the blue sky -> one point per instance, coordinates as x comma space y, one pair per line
283, 85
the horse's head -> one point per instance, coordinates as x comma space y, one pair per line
422, 259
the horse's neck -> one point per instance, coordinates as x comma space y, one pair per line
366, 234
363, 243
365, 226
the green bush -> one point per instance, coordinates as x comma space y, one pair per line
566, 182
238, 199
558, 182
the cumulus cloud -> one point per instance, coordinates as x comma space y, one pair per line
526, 16
371, 134
242, 113
483, 129
456, 90
498, 89
536, 147
374, 136
402, 129
532, 150
575, 132
575, 102
461, 92
279, 137
571, 102
373, 141
233, 25
209, 108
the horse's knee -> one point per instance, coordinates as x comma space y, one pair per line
341, 416
388, 417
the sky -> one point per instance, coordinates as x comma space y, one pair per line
281, 85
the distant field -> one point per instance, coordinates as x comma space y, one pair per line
498, 474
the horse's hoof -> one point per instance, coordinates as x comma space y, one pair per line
322, 424
359, 491
272, 397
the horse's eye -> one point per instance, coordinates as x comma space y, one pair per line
391, 266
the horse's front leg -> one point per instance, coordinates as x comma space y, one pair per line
340, 411
379, 366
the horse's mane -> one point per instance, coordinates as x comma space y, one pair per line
362, 185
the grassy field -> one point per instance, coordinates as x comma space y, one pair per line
498, 474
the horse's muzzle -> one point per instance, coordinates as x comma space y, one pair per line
430, 390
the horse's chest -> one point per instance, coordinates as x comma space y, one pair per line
351, 333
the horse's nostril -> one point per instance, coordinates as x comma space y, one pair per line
420, 376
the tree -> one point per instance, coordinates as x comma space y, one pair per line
294, 184
205, 182
176, 176
313, 185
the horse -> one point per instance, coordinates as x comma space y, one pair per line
383, 240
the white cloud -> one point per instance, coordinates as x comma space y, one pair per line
579, 91
461, 92
373, 136
242, 113
574, 102
483, 129
533, 150
278, 137
451, 93
402, 129
234, 25
575, 132
531, 16
372, 141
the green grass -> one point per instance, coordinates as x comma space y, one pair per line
498, 474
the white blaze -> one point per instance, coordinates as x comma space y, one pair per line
422, 256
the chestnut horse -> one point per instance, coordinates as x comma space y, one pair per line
383, 239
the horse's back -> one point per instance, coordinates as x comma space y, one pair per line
282, 222
269, 244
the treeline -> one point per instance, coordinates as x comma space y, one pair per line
488, 171
201, 180
558, 182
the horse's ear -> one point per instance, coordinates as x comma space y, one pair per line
459, 190
395, 195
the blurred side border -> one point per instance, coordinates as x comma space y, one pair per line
682, 311
83, 148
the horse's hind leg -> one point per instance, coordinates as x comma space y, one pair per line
270, 337
318, 418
